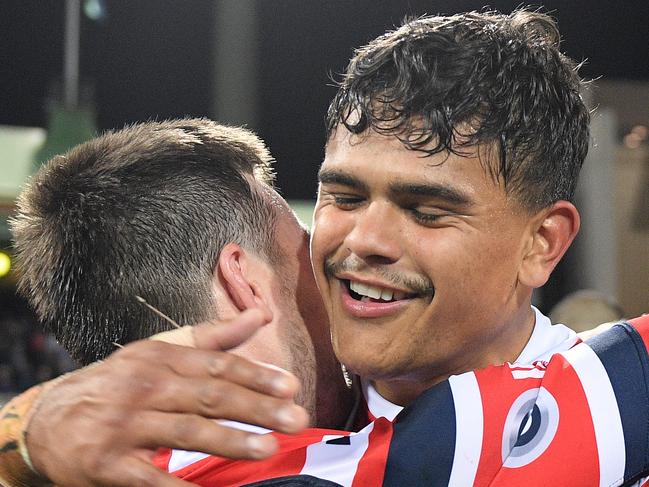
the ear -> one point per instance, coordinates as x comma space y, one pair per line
236, 269
553, 230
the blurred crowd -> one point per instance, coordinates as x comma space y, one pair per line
27, 354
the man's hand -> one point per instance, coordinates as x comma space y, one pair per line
103, 424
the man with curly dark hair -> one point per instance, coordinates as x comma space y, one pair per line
453, 150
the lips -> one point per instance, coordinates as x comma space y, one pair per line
366, 292
366, 301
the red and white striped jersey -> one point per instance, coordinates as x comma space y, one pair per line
579, 418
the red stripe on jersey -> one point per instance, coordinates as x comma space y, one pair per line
161, 458
496, 402
371, 468
641, 324
289, 460
574, 437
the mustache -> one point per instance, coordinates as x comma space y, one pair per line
414, 284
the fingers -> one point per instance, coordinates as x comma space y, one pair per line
224, 399
154, 360
227, 335
151, 394
193, 433
216, 335
137, 471
215, 385
183, 336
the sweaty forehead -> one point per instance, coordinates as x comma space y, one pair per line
372, 162
345, 150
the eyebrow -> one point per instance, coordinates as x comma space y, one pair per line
329, 176
432, 190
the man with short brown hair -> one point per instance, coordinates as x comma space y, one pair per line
183, 215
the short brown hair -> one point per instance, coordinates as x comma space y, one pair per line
143, 211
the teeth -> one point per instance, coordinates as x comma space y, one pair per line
386, 295
359, 288
374, 292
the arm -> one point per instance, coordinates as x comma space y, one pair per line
14, 471
102, 424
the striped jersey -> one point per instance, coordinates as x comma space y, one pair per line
566, 413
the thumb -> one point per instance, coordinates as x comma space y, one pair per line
217, 335
224, 335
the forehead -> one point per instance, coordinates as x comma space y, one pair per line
384, 160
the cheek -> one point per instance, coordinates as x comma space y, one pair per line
327, 234
458, 261
490, 275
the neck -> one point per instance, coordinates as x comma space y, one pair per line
334, 400
505, 347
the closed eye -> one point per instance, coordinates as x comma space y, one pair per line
425, 217
431, 216
347, 201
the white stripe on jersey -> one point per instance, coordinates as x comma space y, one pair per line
528, 373
337, 463
604, 412
546, 340
468, 429
377, 405
250, 428
181, 458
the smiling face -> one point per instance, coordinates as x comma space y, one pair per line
418, 261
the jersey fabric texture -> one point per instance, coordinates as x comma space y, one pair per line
565, 413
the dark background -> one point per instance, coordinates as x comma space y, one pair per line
153, 59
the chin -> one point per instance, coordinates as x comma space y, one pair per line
359, 351
366, 367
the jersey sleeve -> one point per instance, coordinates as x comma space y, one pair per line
332, 456
590, 420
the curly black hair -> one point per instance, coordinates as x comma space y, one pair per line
446, 83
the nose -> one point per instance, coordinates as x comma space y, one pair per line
375, 235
